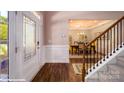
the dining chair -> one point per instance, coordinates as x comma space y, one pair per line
81, 48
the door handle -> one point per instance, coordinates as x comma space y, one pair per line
38, 44
16, 49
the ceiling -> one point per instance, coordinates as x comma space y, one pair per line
86, 24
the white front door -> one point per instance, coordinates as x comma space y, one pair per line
27, 46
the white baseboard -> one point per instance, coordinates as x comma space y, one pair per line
57, 54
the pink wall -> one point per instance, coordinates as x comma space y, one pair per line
56, 24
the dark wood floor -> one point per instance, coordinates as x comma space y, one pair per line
57, 72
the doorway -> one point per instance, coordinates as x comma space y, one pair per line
25, 45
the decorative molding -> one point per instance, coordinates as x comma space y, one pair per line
57, 54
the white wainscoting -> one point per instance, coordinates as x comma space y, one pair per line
42, 55
57, 54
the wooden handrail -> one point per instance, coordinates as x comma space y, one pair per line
105, 31
103, 49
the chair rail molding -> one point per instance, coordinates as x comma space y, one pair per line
57, 53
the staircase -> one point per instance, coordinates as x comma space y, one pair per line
113, 71
108, 45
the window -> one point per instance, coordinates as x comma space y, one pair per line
29, 37
3, 45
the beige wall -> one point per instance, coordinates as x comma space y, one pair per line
75, 36
56, 29
101, 28
56, 24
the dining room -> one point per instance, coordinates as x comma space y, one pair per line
81, 33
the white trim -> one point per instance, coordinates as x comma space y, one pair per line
36, 73
56, 54
12, 34
18, 69
36, 14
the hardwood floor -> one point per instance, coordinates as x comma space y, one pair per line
61, 72
57, 72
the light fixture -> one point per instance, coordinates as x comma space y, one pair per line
77, 25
